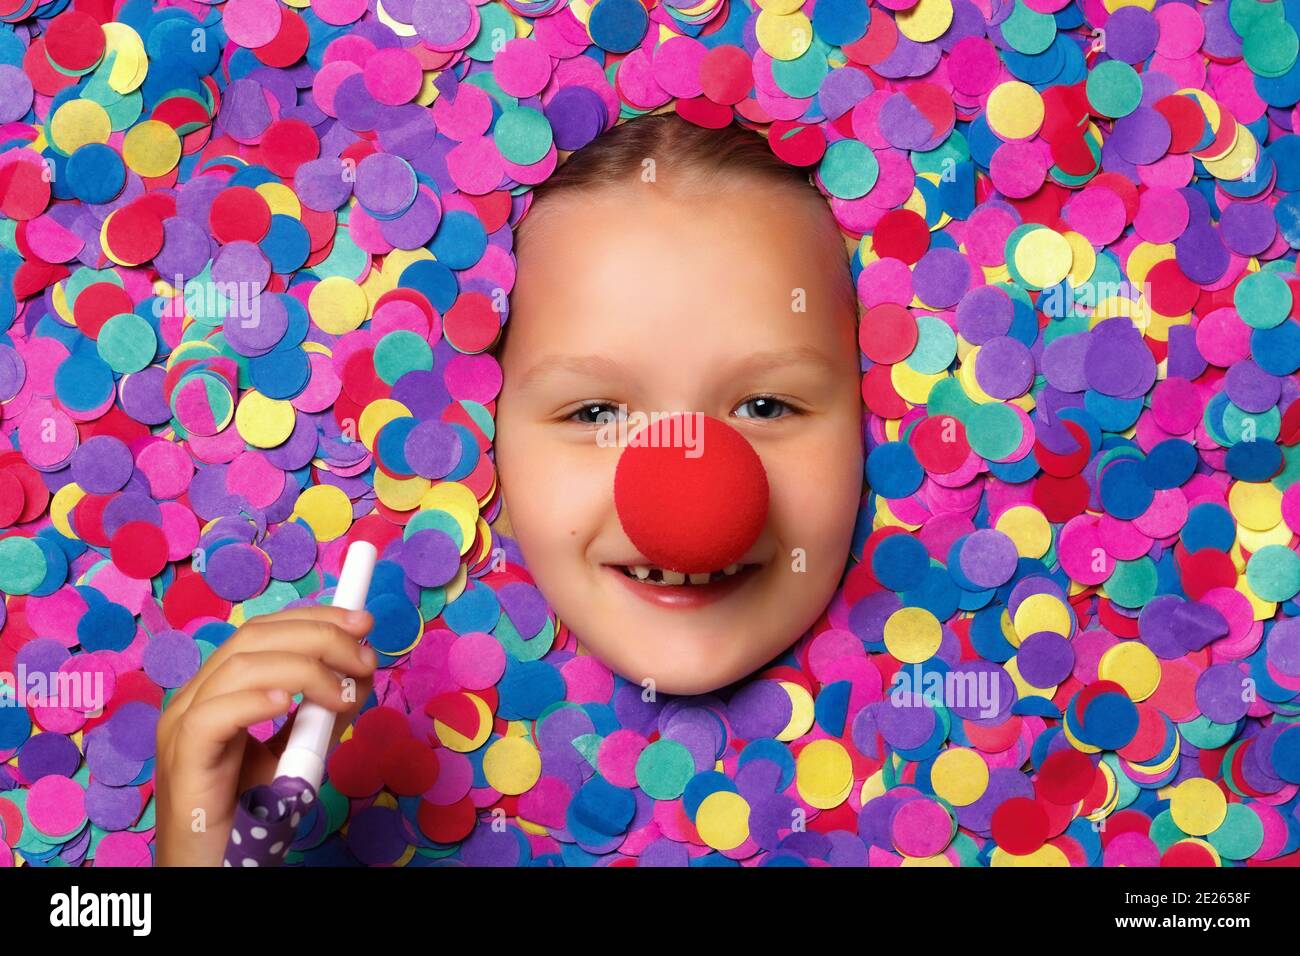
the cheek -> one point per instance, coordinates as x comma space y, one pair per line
816, 493
557, 494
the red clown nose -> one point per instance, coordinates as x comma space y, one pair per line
690, 493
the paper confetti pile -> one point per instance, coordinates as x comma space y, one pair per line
251, 256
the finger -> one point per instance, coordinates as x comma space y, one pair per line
210, 725
314, 612
315, 634
294, 673
260, 763
276, 743
334, 646
306, 629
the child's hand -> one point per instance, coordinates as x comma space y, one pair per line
206, 757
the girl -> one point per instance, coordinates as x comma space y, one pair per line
668, 267
664, 268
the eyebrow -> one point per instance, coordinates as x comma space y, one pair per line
597, 365
783, 358
551, 365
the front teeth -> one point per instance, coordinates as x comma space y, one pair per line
667, 578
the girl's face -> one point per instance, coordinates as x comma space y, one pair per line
703, 303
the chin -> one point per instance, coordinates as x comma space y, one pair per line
686, 651
690, 685
697, 670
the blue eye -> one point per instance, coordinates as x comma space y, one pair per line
766, 407
599, 413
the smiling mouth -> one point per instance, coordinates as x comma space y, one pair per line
674, 590
660, 577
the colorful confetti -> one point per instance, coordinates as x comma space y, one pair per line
1076, 227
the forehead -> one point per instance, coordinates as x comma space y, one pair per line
635, 273
746, 240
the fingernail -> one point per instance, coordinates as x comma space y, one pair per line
357, 618
367, 656
278, 697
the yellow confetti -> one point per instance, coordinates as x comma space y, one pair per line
913, 634
722, 820
326, 509
512, 765
1014, 110
926, 21
824, 774
783, 37
1198, 806
78, 122
264, 422
152, 149
960, 776
338, 305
